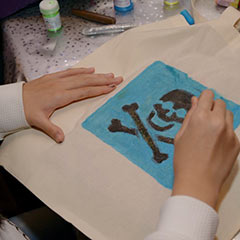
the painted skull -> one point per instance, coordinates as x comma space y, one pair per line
180, 99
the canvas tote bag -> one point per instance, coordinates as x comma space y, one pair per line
87, 181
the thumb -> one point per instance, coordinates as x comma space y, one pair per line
187, 118
52, 130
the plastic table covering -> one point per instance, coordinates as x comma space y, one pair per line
30, 53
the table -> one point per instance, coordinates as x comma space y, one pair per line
28, 54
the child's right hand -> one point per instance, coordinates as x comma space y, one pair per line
206, 148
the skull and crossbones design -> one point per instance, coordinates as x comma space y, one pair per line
181, 99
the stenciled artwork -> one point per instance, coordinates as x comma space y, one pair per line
142, 120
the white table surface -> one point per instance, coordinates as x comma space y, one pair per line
27, 47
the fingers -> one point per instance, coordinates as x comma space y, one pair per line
231, 134
72, 72
87, 80
88, 92
206, 103
51, 129
194, 101
206, 100
229, 119
54, 91
219, 108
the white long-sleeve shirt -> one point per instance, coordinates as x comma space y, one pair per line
12, 115
181, 217
9, 231
186, 218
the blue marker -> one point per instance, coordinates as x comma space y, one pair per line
123, 5
187, 17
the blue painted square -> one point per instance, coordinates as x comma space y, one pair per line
123, 125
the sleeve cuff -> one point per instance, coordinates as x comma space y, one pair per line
188, 218
11, 108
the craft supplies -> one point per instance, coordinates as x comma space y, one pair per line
123, 5
226, 3
187, 17
95, 17
51, 15
171, 2
107, 29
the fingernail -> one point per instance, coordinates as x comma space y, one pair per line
112, 85
118, 79
59, 138
91, 68
110, 75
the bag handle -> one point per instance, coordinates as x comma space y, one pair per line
230, 15
198, 18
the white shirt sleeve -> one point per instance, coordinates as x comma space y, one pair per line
9, 231
12, 116
186, 218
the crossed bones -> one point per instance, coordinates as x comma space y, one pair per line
116, 126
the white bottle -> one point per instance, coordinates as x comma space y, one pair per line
51, 15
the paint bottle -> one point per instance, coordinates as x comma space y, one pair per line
123, 5
171, 2
51, 15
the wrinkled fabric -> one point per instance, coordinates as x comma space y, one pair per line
89, 183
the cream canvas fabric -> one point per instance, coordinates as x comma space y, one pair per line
93, 186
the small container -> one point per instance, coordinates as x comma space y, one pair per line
226, 3
171, 2
51, 15
123, 5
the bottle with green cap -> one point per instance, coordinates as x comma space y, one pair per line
51, 15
